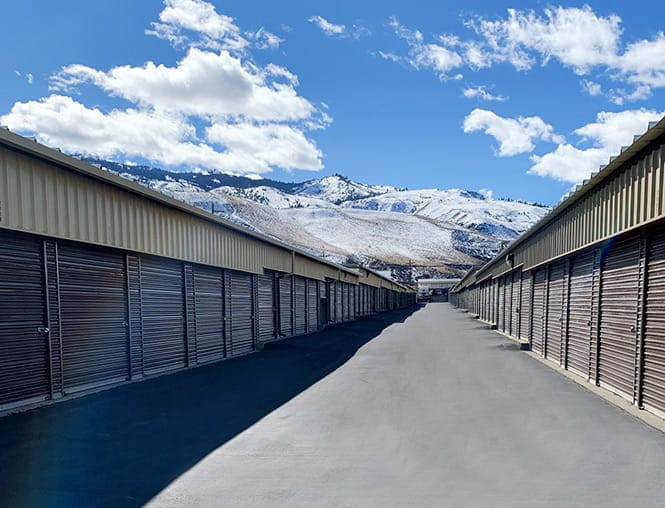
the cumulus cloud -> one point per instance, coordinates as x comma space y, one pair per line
203, 83
575, 37
514, 135
273, 145
326, 26
189, 114
603, 138
480, 92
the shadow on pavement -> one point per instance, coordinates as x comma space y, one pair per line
121, 447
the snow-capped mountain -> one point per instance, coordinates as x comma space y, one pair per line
501, 219
338, 189
447, 231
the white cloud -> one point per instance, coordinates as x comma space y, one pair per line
575, 37
28, 76
163, 137
203, 83
326, 26
215, 88
620, 96
480, 92
273, 145
211, 29
606, 136
591, 87
436, 57
263, 39
515, 135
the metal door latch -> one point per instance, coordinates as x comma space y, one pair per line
633, 329
43, 329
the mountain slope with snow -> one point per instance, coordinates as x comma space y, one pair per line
347, 221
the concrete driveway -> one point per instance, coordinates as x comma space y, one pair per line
432, 411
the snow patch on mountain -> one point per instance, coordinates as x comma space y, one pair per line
342, 220
337, 189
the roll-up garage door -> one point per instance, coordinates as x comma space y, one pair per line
299, 303
525, 306
24, 373
242, 324
538, 306
653, 391
579, 313
346, 295
285, 306
312, 305
555, 312
331, 292
501, 322
515, 303
266, 307
338, 301
163, 307
353, 292
93, 307
618, 317
209, 313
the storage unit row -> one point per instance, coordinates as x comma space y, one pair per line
75, 316
599, 313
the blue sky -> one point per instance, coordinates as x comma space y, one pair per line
521, 99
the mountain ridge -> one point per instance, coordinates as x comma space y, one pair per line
429, 231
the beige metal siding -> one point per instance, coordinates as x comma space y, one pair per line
631, 198
312, 269
41, 198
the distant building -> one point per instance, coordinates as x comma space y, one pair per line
436, 289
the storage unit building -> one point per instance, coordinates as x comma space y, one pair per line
103, 281
595, 266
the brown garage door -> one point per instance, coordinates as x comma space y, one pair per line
554, 330
539, 309
515, 303
162, 304
653, 391
312, 305
618, 317
23, 348
93, 296
242, 323
525, 306
579, 313
501, 321
209, 312
285, 321
266, 307
300, 304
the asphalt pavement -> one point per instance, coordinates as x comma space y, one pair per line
419, 408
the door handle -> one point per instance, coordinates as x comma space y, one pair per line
633, 329
43, 329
